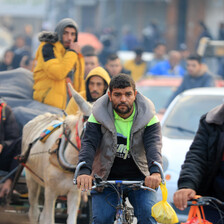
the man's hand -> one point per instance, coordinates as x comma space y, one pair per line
181, 197
1, 147
5, 188
153, 181
84, 182
75, 46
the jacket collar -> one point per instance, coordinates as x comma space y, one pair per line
103, 112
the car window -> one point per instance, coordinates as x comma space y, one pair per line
159, 95
183, 120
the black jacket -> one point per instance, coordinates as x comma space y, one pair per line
9, 138
204, 157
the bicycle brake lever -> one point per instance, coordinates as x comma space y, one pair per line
97, 178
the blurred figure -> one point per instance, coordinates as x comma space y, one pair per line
7, 61
107, 49
91, 61
27, 63
221, 67
59, 61
197, 76
185, 53
204, 32
28, 35
151, 35
170, 67
20, 49
221, 31
114, 66
88, 49
10, 145
159, 54
129, 40
137, 66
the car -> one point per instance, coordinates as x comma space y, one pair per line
158, 89
179, 126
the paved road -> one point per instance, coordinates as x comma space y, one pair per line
12, 217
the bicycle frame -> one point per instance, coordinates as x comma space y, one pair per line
123, 214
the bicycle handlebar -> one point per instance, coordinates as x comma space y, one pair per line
132, 183
204, 201
124, 182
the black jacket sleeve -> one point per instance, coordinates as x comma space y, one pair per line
90, 141
195, 164
153, 143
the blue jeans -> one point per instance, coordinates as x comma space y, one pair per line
104, 203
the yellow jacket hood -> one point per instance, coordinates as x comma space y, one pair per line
99, 71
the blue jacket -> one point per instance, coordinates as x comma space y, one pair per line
190, 82
164, 68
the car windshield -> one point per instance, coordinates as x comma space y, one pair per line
182, 122
159, 95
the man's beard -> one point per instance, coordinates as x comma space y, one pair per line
96, 96
128, 108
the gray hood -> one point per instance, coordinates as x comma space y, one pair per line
216, 115
59, 29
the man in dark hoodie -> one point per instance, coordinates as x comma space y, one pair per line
197, 76
58, 61
203, 170
97, 82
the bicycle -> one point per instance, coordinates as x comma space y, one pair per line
211, 201
124, 213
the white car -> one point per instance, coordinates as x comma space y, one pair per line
179, 126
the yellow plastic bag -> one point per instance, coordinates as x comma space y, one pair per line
162, 211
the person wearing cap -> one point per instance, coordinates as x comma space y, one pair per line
97, 82
58, 61
137, 66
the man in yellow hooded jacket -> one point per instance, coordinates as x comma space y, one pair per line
58, 61
97, 82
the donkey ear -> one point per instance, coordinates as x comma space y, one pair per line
84, 106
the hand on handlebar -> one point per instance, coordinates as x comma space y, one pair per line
153, 181
84, 182
181, 197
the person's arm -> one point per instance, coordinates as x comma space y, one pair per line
90, 141
153, 143
58, 68
194, 168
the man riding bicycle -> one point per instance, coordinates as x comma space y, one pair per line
121, 140
203, 170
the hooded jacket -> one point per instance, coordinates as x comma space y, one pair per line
99, 143
72, 107
54, 64
203, 160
